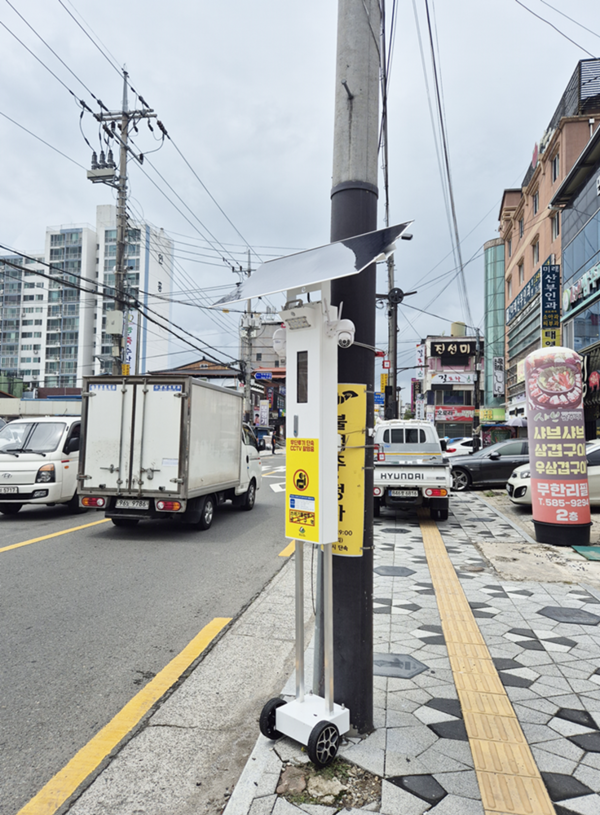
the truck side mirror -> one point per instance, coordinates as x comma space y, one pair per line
72, 445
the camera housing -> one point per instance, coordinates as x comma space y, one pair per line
345, 333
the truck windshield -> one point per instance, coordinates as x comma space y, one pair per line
31, 436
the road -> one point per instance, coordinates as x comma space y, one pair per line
88, 617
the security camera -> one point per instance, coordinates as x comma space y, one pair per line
279, 342
345, 333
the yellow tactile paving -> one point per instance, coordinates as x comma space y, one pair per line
509, 780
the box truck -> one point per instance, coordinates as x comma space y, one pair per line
164, 446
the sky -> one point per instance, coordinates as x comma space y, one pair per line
246, 93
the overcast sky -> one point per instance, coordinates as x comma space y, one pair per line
246, 91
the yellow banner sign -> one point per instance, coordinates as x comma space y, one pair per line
302, 489
550, 337
384, 381
352, 420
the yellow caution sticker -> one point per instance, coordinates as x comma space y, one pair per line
302, 490
352, 421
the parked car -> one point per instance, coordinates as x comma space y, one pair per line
38, 462
491, 466
459, 447
518, 485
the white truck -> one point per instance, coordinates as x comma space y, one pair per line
410, 469
38, 462
164, 446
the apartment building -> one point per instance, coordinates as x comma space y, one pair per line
53, 303
530, 226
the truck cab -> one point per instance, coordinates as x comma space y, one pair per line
410, 468
38, 462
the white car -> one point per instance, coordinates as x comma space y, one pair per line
519, 489
459, 447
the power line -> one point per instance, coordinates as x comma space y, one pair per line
558, 11
112, 64
562, 33
39, 138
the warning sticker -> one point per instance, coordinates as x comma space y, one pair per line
352, 420
302, 490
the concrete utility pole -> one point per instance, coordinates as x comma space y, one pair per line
353, 212
104, 172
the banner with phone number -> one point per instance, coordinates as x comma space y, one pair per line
556, 432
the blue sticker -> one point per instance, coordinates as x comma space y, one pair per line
167, 387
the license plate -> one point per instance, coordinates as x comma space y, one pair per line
131, 503
404, 493
4, 490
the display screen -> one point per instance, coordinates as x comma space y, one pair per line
302, 384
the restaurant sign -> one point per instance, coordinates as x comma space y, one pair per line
454, 413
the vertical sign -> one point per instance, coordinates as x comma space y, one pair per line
302, 490
420, 361
555, 427
498, 381
263, 417
420, 406
130, 332
384, 381
352, 421
550, 305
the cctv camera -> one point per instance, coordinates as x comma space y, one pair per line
279, 342
345, 333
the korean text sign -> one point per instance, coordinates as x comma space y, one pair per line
559, 483
352, 421
302, 490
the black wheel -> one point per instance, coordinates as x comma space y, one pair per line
376, 507
267, 719
10, 509
323, 744
461, 479
73, 507
249, 498
124, 521
207, 512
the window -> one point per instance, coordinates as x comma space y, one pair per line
536, 202
259, 357
536, 253
521, 228
509, 247
555, 168
555, 226
513, 449
29, 285
521, 274
509, 288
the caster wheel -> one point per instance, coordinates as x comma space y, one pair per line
323, 744
267, 719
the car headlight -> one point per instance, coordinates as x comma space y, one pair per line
45, 474
523, 474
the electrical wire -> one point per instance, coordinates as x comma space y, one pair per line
113, 65
39, 138
558, 11
562, 33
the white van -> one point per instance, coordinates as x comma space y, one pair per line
38, 462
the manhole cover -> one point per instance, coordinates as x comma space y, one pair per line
402, 666
394, 571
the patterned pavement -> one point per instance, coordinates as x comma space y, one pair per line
432, 751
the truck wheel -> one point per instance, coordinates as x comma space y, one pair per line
267, 719
323, 743
439, 514
10, 509
249, 498
376, 507
460, 479
124, 521
73, 507
207, 512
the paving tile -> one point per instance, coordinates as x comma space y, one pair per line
458, 805
551, 763
263, 806
395, 801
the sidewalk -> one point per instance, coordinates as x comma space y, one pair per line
492, 707
458, 733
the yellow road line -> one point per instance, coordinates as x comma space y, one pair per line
508, 777
53, 535
54, 794
289, 549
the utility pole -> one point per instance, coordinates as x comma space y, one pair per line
353, 212
248, 355
477, 399
103, 172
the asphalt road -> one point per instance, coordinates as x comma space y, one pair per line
90, 616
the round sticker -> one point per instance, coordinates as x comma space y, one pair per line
301, 480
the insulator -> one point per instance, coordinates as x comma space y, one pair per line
94, 161
110, 161
102, 162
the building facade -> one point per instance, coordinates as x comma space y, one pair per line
530, 226
494, 305
53, 304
